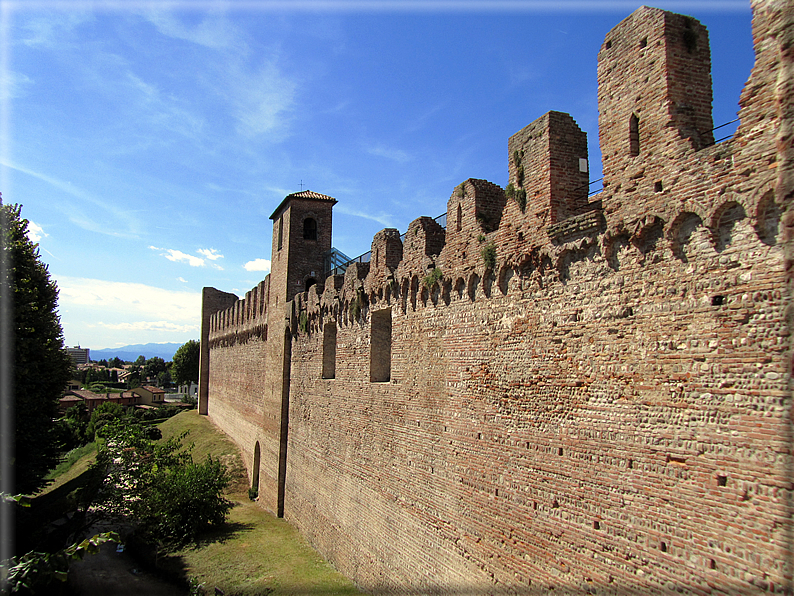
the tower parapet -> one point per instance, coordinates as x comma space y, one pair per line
654, 90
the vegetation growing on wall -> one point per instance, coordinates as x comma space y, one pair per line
488, 253
432, 277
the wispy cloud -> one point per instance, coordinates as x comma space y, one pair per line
162, 111
382, 218
258, 265
261, 100
214, 31
125, 225
35, 232
397, 155
13, 84
210, 253
182, 279
46, 28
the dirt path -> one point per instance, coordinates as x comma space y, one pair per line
111, 574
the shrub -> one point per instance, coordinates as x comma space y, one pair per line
188, 499
157, 487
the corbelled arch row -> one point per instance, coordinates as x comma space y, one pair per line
554, 391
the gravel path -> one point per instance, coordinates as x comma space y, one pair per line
111, 574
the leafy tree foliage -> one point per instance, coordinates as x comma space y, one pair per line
134, 377
156, 485
185, 367
115, 362
140, 361
41, 365
153, 367
103, 414
35, 572
72, 427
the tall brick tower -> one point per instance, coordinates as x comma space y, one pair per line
301, 237
654, 90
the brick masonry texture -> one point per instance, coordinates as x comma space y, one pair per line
550, 396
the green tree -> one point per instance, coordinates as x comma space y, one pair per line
153, 367
140, 361
41, 366
116, 362
185, 367
103, 414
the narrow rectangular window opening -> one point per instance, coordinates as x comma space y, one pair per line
634, 135
380, 347
280, 231
329, 351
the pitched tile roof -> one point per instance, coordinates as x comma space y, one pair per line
304, 194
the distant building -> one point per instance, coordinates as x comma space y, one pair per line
79, 355
150, 395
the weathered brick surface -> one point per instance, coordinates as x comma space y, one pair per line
606, 407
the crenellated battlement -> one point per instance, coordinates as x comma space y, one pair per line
554, 391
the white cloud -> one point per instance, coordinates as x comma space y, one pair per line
258, 265
129, 300
99, 313
182, 279
178, 256
35, 232
210, 253
147, 326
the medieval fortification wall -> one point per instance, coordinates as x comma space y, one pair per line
552, 393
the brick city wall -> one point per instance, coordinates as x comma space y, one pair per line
597, 403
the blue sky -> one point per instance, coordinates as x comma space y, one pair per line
149, 143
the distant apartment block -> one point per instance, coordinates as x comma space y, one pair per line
78, 354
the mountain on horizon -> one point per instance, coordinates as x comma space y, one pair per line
131, 352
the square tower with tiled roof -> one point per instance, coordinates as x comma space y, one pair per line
301, 237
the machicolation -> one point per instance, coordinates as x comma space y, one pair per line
546, 391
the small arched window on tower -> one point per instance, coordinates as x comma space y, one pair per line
634, 135
309, 229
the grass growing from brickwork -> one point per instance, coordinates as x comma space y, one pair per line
254, 553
